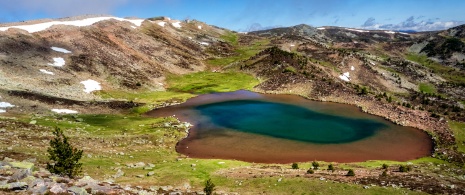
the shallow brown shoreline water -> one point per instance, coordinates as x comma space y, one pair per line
396, 143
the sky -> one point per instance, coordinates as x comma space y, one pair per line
245, 15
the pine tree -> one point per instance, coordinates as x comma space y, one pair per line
65, 158
209, 187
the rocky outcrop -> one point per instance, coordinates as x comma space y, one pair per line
24, 178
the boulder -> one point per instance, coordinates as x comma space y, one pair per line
77, 190
14, 186
57, 188
20, 174
86, 181
38, 190
150, 173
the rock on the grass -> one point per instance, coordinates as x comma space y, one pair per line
119, 173
150, 173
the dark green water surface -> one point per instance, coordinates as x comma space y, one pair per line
288, 121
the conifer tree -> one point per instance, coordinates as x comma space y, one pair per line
64, 157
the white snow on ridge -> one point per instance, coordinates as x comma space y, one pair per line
390, 32
91, 85
60, 50
6, 105
65, 111
345, 76
32, 28
2, 111
357, 30
57, 62
199, 27
176, 24
321, 28
204, 43
46, 72
162, 24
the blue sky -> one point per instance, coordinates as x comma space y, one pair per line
239, 15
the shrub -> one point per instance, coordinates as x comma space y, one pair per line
209, 187
403, 168
350, 173
384, 174
65, 158
310, 171
315, 165
385, 166
295, 166
330, 167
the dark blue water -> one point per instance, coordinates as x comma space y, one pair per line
288, 121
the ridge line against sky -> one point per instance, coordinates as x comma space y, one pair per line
246, 15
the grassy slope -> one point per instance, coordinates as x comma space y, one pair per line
242, 52
459, 133
427, 88
209, 82
449, 73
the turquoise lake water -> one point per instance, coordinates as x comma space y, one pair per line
288, 121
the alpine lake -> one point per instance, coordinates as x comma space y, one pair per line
263, 128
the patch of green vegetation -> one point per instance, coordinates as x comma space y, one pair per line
210, 82
298, 185
451, 74
231, 38
145, 97
150, 98
105, 124
242, 53
427, 88
459, 133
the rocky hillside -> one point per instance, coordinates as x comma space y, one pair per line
53, 58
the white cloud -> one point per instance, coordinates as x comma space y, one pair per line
411, 24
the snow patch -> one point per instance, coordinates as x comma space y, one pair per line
345, 76
176, 24
292, 45
162, 24
2, 111
404, 33
133, 27
64, 111
60, 50
204, 43
320, 28
91, 85
79, 23
46, 72
357, 30
57, 62
390, 32
199, 27
352, 68
6, 105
